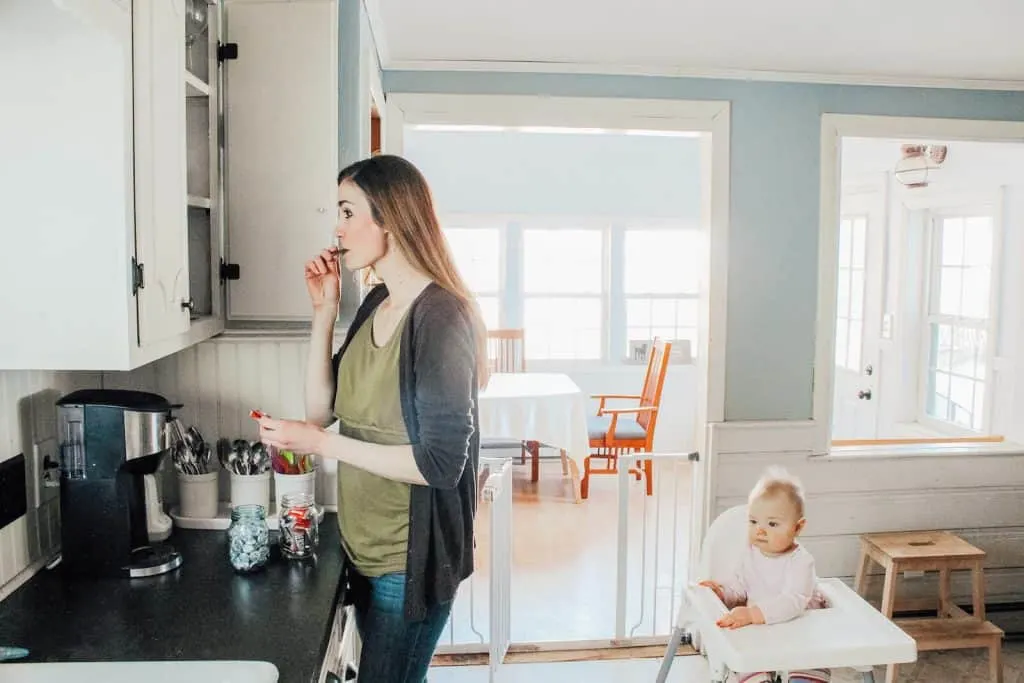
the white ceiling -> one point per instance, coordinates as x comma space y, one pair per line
909, 39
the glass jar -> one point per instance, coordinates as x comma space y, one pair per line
248, 538
299, 525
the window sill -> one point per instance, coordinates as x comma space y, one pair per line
894, 452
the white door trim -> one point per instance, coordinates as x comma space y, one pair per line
698, 116
833, 128
630, 114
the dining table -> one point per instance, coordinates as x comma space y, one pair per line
548, 408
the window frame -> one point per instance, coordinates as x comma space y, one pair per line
513, 295
852, 218
935, 216
499, 293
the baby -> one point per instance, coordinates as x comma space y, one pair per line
775, 580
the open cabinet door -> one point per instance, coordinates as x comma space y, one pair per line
282, 198
161, 223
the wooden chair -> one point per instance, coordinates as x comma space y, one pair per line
506, 352
626, 430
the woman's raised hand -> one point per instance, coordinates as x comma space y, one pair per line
323, 279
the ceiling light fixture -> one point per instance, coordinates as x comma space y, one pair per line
916, 162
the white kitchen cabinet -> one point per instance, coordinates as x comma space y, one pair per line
341, 661
282, 150
160, 168
110, 200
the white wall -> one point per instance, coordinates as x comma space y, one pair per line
980, 497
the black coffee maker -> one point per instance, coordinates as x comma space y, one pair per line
110, 438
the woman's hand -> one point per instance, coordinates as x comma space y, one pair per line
292, 435
738, 617
323, 280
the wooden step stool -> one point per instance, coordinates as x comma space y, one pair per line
951, 628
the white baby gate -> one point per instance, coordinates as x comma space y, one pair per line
648, 584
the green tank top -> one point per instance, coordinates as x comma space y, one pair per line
373, 512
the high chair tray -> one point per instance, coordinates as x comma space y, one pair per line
848, 633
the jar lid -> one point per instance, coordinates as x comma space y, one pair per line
251, 511
296, 499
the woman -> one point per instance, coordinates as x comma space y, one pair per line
404, 388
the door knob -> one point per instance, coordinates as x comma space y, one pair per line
189, 305
864, 395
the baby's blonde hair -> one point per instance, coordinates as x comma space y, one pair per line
775, 481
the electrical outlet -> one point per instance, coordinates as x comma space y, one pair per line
44, 473
12, 489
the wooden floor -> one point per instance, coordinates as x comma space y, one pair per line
963, 666
564, 559
955, 666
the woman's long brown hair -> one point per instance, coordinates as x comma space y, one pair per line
402, 204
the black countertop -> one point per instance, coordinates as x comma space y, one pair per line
201, 611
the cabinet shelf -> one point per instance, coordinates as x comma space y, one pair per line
199, 202
195, 86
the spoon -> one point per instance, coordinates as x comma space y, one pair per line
224, 451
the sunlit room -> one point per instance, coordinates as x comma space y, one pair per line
382, 341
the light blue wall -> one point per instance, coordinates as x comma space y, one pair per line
559, 173
773, 250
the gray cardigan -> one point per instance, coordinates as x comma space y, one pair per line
438, 390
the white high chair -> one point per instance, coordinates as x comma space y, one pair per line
848, 634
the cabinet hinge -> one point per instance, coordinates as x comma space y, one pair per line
138, 277
229, 271
227, 51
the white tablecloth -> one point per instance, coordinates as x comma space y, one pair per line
535, 406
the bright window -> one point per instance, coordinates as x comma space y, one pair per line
850, 292
583, 289
958, 321
477, 253
662, 272
562, 281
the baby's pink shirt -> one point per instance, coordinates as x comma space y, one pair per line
782, 586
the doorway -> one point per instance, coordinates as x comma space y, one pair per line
705, 125
918, 315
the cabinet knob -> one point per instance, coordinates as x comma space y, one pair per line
864, 395
321, 210
188, 305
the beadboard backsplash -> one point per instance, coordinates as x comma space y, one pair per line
28, 415
218, 382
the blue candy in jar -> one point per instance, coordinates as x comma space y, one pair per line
248, 538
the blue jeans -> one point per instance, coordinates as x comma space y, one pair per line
394, 650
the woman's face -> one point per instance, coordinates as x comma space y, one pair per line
361, 240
